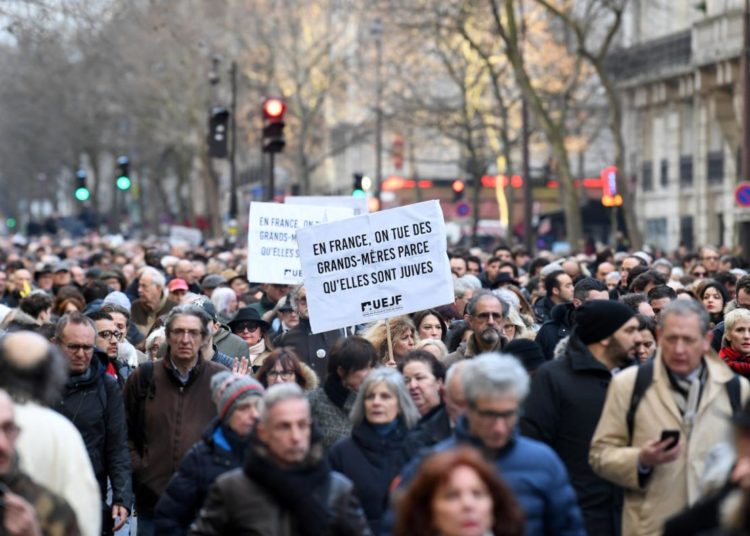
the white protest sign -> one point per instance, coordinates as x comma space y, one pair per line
271, 243
375, 266
358, 204
179, 233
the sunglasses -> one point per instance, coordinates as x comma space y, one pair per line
239, 328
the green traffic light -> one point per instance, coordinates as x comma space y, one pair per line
82, 194
10, 223
359, 193
123, 182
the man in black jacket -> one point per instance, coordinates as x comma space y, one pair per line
93, 402
567, 396
563, 315
559, 289
286, 485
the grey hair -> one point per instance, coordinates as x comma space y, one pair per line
394, 381
294, 296
493, 374
662, 262
471, 307
472, 280
190, 310
157, 278
455, 370
437, 343
686, 308
75, 318
157, 333
461, 287
281, 392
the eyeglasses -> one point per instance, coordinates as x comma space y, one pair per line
239, 328
180, 333
700, 274
108, 334
488, 315
280, 373
489, 415
75, 348
10, 430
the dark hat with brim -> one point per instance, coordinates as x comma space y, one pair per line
249, 314
504, 278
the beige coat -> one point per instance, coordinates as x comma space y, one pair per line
673, 486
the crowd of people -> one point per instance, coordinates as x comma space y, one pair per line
152, 388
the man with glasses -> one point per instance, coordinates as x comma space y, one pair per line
567, 396
709, 257
495, 386
486, 315
168, 405
107, 346
93, 402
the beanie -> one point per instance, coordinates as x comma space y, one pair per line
118, 298
528, 352
598, 319
228, 390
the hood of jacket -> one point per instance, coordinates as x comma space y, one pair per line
563, 314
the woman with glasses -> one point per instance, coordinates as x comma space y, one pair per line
283, 366
248, 325
381, 417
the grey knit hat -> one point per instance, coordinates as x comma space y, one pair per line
228, 390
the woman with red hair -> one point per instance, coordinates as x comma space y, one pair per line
457, 493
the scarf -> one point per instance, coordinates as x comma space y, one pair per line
385, 430
336, 391
256, 350
735, 360
295, 489
687, 393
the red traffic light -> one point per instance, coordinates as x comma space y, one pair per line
273, 108
458, 186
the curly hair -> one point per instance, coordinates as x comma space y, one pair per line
378, 337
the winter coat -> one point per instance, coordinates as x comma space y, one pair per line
562, 410
468, 349
431, 429
172, 420
93, 403
311, 348
210, 457
53, 454
371, 462
230, 344
673, 486
561, 322
737, 362
264, 499
144, 318
533, 472
332, 420
543, 309
706, 516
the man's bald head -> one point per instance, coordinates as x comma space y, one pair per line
31, 368
24, 349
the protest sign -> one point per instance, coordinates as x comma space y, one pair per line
272, 247
358, 204
375, 266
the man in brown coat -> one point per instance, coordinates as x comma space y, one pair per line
152, 302
168, 405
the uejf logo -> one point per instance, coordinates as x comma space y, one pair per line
380, 305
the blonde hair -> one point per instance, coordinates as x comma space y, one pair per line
731, 319
376, 333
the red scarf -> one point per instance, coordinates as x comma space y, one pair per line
739, 364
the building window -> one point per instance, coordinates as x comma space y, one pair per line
715, 167
686, 231
664, 172
656, 232
686, 171
647, 176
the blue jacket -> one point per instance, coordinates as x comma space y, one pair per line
535, 475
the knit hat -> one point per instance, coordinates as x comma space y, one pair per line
528, 352
213, 281
117, 298
228, 390
598, 319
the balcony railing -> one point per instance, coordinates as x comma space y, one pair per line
650, 57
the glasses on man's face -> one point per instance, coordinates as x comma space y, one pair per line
285, 374
490, 415
107, 334
487, 315
239, 328
75, 348
10, 430
179, 333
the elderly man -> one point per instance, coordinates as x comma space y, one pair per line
168, 405
28, 508
152, 303
567, 397
285, 485
51, 449
184, 269
272, 293
102, 424
495, 386
686, 391
486, 314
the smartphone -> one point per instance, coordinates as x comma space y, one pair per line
674, 435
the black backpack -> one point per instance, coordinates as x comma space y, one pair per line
644, 378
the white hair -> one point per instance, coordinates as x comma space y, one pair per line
492, 374
157, 278
220, 297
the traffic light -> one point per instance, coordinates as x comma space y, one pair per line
122, 173
273, 125
458, 188
218, 130
358, 189
82, 192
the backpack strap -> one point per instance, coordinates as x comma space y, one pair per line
733, 392
642, 380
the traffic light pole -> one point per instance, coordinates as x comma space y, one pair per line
271, 186
233, 144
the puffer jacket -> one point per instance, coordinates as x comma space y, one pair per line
216, 453
93, 403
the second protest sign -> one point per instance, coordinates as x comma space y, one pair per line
375, 266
